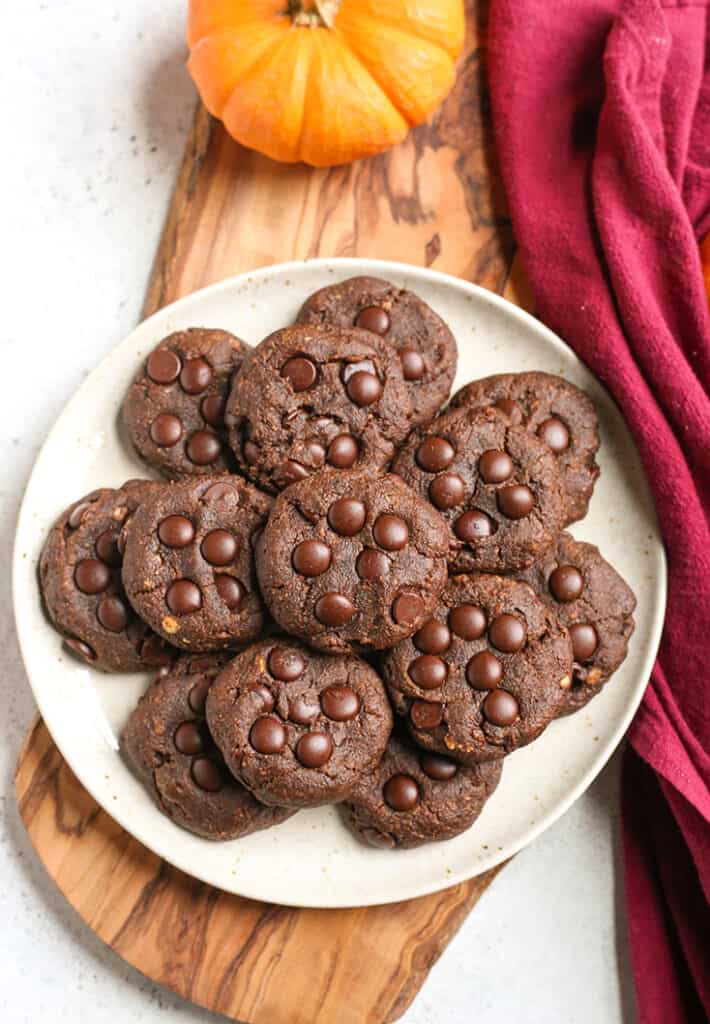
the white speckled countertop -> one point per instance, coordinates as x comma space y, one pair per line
95, 110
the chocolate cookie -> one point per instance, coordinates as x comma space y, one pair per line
168, 742
425, 345
174, 409
558, 412
80, 580
485, 674
595, 604
497, 485
349, 559
316, 396
188, 567
298, 728
414, 797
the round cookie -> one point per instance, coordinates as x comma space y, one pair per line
596, 606
486, 674
558, 412
315, 396
296, 727
498, 487
414, 797
80, 581
168, 743
425, 345
174, 409
188, 566
349, 560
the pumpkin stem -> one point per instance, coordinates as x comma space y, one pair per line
314, 13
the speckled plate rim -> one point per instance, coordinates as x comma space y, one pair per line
394, 876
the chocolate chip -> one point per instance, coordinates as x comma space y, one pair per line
231, 590
584, 640
347, 516
163, 366
203, 447
427, 671
372, 564
212, 409
555, 434
286, 664
441, 769
107, 548
220, 491
382, 840
300, 372
495, 466
188, 739
251, 453
155, 652
364, 388
343, 451
80, 648
340, 703
302, 711
112, 614
206, 775
334, 609
401, 792
166, 430
446, 490
219, 547
500, 708
91, 576
484, 671
566, 583
507, 633
176, 532
289, 472
183, 597
77, 514
467, 621
435, 454
195, 376
374, 319
511, 409
311, 557
267, 735
314, 453
473, 526
515, 501
197, 696
314, 749
265, 696
390, 532
433, 637
407, 608
413, 366
424, 715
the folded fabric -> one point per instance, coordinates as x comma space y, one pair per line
601, 112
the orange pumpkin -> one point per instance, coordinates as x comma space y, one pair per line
323, 81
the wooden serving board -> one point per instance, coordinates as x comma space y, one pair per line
435, 200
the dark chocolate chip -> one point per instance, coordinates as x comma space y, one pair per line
219, 547
314, 749
302, 711
163, 366
413, 366
555, 434
166, 430
515, 501
195, 376
107, 548
467, 621
112, 613
507, 633
80, 648
425, 715
484, 671
207, 775
407, 608
584, 640
340, 703
286, 664
176, 532
512, 410
433, 637
441, 769
374, 319
427, 671
343, 451
300, 372
390, 532
203, 447
347, 516
91, 576
372, 564
364, 388
231, 590
188, 739
267, 735
495, 466
566, 583
446, 490
183, 597
334, 609
473, 526
311, 557
435, 454
500, 708
401, 793
212, 409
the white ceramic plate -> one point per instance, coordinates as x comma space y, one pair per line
311, 860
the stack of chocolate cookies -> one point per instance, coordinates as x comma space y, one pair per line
350, 595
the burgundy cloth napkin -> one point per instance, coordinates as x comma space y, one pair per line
601, 111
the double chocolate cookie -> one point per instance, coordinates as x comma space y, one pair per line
425, 345
174, 409
315, 396
80, 580
416, 797
350, 559
497, 485
188, 566
561, 415
591, 599
296, 727
485, 674
168, 742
